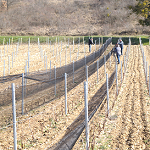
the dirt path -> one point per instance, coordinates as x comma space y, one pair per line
132, 128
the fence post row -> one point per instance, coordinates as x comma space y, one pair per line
145, 65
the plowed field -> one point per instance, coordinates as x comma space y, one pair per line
128, 124
132, 130
127, 127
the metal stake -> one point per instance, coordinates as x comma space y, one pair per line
22, 93
73, 71
97, 69
55, 79
116, 81
14, 116
66, 93
107, 93
86, 114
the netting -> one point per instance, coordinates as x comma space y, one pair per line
49, 85
75, 129
46, 120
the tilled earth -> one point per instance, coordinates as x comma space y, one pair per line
132, 129
127, 127
128, 123
39, 130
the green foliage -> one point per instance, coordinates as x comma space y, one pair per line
108, 15
134, 40
43, 39
143, 9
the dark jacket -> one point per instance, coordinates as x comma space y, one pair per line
90, 42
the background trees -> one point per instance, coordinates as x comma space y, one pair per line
142, 8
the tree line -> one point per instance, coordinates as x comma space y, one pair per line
142, 8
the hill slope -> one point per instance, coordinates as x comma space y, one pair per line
69, 17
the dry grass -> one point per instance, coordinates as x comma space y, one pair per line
97, 17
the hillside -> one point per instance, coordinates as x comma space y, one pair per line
69, 17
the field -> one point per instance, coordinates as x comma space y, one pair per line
127, 124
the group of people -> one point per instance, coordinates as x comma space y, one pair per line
118, 48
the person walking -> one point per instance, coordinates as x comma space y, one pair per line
90, 42
121, 46
118, 52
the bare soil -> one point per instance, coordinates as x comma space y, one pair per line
127, 127
49, 119
128, 124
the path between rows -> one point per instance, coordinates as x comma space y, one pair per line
132, 130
